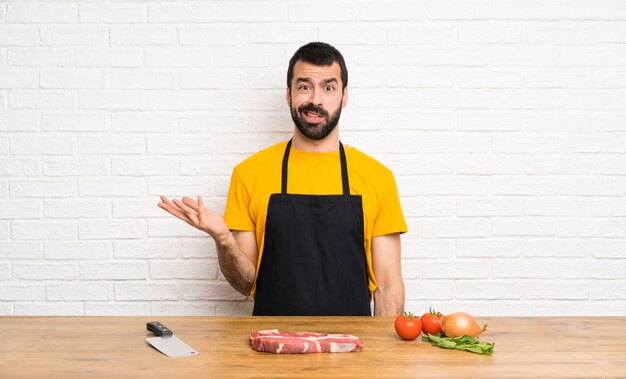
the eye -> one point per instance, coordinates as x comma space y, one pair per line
303, 87
329, 88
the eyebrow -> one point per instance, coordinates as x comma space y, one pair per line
308, 80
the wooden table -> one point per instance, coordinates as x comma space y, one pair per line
114, 347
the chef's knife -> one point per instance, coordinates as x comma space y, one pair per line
167, 343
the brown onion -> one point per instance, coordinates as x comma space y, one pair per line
461, 324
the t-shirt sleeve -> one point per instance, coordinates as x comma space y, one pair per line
237, 213
390, 218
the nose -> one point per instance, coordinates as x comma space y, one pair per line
316, 97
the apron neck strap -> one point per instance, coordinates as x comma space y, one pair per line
344, 169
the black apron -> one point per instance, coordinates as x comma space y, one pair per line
313, 260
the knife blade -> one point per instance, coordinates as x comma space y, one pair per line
167, 343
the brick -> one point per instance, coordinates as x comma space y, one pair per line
562, 122
609, 165
480, 33
511, 143
146, 291
20, 209
72, 78
179, 56
75, 208
556, 290
75, 166
523, 185
18, 35
44, 271
144, 166
591, 269
602, 10
19, 121
217, 79
428, 206
143, 79
181, 100
590, 186
108, 57
420, 34
209, 290
81, 35
488, 289
429, 289
250, 100
459, 269
557, 206
607, 289
561, 78
111, 187
477, 207
553, 247
112, 13
251, 11
609, 78
112, 99
19, 166
613, 55
609, 122
423, 77
526, 98
4, 188
455, 143
609, 207
416, 120
610, 32
487, 248
234, 308
180, 308
187, 145
593, 143
248, 56
198, 248
454, 185
41, 99
83, 250
424, 249
172, 227
527, 10
142, 35
134, 208
20, 250
179, 186
460, 10
454, 56
16, 292
605, 248
475, 121
523, 226
352, 34
132, 308
43, 230
145, 249
42, 12
43, 187
559, 35
455, 228
19, 79
516, 55
563, 164
374, 142
396, 10
591, 227
144, 123
182, 12
118, 270
360, 77
185, 269
479, 164
489, 78
49, 309
41, 144
458, 98
388, 97
78, 291
525, 268
282, 33
48, 57
75, 122
219, 34
101, 143
111, 229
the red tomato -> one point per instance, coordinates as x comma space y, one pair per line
431, 322
408, 326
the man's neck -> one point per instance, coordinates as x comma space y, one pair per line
326, 145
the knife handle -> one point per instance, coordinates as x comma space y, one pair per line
159, 329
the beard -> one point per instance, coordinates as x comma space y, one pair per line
312, 131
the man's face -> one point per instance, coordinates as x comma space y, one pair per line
316, 99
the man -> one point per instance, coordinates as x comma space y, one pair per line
310, 227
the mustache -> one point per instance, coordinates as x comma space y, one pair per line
312, 108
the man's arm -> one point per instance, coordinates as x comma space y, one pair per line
237, 251
389, 294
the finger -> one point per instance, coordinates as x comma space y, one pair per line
184, 207
174, 211
190, 203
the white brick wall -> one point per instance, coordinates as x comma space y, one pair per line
504, 122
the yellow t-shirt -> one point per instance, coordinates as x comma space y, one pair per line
259, 176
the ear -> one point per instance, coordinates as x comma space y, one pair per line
344, 100
288, 97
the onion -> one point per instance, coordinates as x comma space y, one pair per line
461, 324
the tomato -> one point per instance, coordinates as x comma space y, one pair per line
408, 326
431, 322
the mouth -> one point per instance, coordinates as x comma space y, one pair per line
312, 117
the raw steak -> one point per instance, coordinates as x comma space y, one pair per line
273, 341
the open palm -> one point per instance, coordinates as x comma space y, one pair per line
195, 214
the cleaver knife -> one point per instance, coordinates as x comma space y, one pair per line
167, 343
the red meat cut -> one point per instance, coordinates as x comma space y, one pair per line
273, 341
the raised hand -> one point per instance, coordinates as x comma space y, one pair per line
195, 214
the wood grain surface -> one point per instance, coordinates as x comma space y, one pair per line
107, 347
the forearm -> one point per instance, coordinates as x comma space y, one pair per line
238, 270
389, 299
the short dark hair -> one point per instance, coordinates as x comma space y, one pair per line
319, 54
